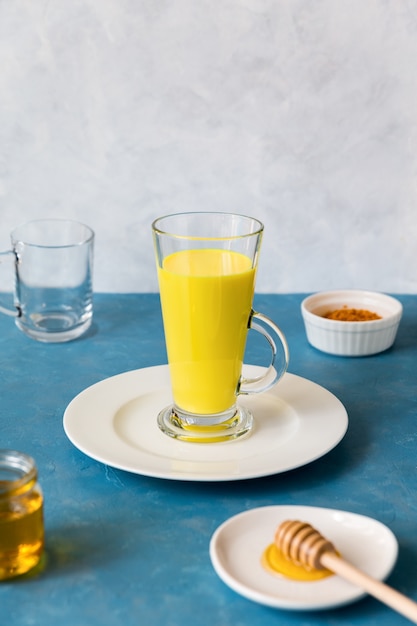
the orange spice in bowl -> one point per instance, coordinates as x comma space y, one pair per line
346, 314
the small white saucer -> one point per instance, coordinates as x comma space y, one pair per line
237, 546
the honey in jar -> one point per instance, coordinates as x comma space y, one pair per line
21, 514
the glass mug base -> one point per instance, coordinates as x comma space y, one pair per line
54, 326
205, 429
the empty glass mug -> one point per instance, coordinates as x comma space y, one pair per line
53, 294
206, 265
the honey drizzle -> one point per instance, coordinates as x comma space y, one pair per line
275, 563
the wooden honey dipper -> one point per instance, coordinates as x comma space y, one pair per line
303, 545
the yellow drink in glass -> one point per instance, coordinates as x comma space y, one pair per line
206, 270
206, 298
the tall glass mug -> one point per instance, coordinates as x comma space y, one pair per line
206, 270
53, 293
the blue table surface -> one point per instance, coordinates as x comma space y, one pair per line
128, 549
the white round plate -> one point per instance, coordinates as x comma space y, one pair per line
114, 421
237, 546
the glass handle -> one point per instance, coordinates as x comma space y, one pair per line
12, 312
276, 339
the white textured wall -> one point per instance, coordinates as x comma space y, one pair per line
301, 113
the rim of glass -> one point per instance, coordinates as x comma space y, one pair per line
169, 233
89, 234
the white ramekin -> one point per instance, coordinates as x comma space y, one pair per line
351, 338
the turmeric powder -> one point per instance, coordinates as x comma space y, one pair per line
352, 315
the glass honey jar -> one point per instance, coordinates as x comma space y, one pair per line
21, 514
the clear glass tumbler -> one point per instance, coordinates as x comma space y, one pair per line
53, 292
